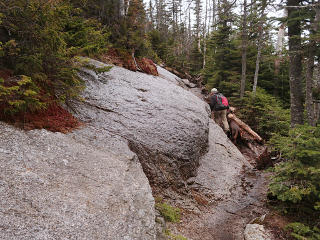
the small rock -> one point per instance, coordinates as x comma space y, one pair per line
256, 232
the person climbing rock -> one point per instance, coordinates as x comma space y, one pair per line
219, 105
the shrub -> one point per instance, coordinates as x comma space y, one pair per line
296, 183
263, 113
302, 232
44, 36
20, 94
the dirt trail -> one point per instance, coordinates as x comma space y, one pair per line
226, 219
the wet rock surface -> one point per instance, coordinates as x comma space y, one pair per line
226, 219
228, 193
57, 186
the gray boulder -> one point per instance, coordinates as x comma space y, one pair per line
57, 186
164, 124
220, 168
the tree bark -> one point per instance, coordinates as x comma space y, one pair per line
279, 48
205, 36
317, 86
309, 70
260, 42
256, 73
278, 58
309, 83
244, 50
295, 59
121, 8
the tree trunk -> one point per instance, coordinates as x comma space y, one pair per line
121, 8
279, 49
198, 13
214, 10
127, 7
151, 14
295, 68
256, 73
244, 50
278, 58
317, 86
205, 36
309, 82
260, 42
309, 70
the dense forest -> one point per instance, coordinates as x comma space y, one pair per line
266, 64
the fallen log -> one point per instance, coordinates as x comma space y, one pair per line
244, 128
248, 142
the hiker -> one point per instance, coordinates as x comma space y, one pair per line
219, 105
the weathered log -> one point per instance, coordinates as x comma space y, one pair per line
245, 127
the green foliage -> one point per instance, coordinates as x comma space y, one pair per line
130, 34
170, 47
263, 113
223, 61
85, 36
85, 62
196, 60
158, 43
296, 182
20, 95
302, 232
169, 213
44, 36
98, 70
302, 144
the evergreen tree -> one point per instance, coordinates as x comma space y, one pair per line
223, 61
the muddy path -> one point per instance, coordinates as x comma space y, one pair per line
234, 214
226, 219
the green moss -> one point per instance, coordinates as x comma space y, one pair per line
170, 214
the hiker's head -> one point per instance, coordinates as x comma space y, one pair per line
214, 90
